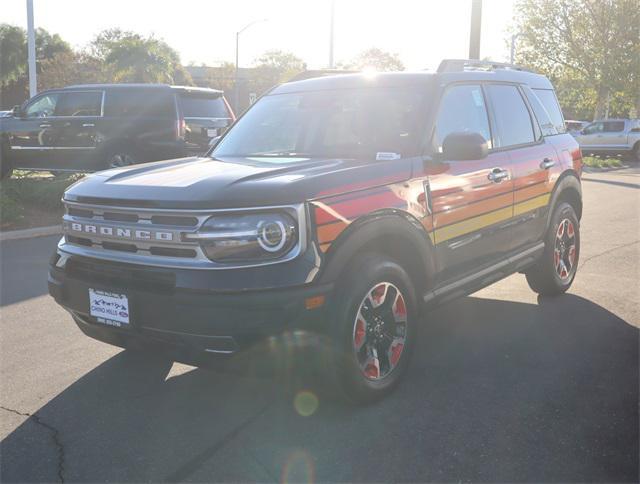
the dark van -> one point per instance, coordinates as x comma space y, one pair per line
98, 126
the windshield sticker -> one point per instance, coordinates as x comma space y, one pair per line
477, 98
387, 155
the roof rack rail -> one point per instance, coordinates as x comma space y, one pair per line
458, 65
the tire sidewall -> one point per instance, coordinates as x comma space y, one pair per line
563, 211
366, 272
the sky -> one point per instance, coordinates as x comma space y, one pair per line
421, 32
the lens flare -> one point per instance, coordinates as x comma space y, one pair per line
298, 468
306, 403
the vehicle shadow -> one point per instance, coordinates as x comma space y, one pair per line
497, 391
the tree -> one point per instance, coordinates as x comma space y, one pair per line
376, 59
13, 51
593, 42
130, 57
278, 66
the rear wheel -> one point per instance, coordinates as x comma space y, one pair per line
555, 271
373, 329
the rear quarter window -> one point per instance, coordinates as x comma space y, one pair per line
130, 103
203, 107
548, 99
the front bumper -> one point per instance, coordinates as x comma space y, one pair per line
189, 321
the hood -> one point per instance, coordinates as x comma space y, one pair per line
206, 183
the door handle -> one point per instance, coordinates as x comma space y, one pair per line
88, 125
45, 125
546, 164
497, 175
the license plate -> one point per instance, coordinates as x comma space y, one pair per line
109, 308
212, 133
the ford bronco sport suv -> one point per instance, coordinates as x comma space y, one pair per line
98, 126
341, 205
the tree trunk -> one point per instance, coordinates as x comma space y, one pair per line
601, 103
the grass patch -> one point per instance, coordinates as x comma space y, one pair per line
29, 199
597, 162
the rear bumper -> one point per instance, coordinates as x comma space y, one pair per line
186, 321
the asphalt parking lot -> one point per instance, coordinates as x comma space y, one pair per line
504, 386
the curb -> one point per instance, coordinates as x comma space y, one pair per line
31, 233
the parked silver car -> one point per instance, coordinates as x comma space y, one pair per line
611, 137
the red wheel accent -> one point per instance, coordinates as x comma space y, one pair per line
360, 334
380, 330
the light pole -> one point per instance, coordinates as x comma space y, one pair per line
474, 32
236, 97
512, 56
333, 9
31, 50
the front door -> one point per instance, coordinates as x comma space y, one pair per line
31, 136
472, 201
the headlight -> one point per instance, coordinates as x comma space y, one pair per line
247, 238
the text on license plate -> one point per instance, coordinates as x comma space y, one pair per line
109, 308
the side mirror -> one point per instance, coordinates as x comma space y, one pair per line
214, 141
16, 111
464, 146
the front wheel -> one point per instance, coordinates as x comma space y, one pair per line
555, 271
373, 330
120, 158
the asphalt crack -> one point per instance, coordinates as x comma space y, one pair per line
608, 251
55, 435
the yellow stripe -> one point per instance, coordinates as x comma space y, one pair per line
473, 224
476, 223
524, 207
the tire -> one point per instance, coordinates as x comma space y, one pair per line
635, 154
555, 271
376, 286
119, 158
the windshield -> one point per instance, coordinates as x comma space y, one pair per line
371, 123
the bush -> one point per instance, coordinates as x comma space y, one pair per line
597, 162
32, 199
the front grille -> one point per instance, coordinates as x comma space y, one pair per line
143, 235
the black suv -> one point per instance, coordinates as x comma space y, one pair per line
93, 127
342, 206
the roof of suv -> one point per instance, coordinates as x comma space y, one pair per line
203, 90
399, 79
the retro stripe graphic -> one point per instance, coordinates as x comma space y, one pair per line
334, 214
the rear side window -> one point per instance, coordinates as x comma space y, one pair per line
512, 119
613, 126
79, 104
203, 107
128, 103
541, 114
550, 102
462, 110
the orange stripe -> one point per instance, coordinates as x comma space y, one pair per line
327, 233
463, 213
530, 192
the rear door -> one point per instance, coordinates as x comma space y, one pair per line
75, 128
535, 162
471, 208
614, 135
206, 115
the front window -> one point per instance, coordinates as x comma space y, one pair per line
369, 123
42, 107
